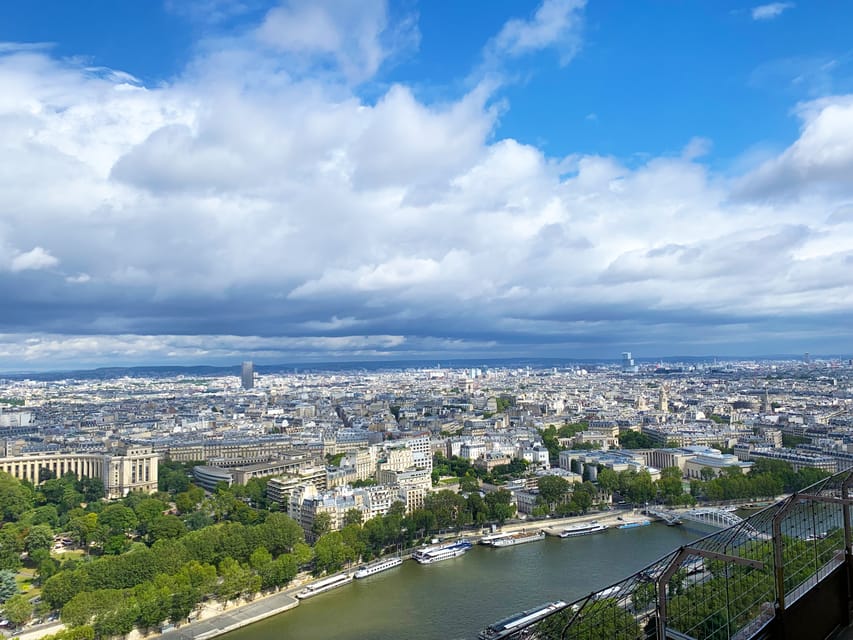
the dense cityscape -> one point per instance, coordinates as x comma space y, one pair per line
409, 320
239, 484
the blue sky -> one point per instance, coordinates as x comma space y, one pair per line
205, 181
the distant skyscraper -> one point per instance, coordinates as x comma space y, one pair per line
628, 365
248, 375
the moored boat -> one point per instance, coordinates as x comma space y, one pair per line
376, 567
324, 585
508, 626
519, 538
582, 529
490, 539
634, 525
429, 555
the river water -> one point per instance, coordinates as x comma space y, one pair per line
457, 598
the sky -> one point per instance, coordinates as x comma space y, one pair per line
207, 181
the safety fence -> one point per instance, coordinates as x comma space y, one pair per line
729, 584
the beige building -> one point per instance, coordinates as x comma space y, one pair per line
122, 469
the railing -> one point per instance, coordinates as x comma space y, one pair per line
730, 584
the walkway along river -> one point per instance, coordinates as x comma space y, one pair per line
457, 598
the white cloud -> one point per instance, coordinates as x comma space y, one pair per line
696, 148
355, 35
274, 204
771, 10
556, 23
36, 258
820, 160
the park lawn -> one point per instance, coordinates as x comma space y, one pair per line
70, 553
25, 578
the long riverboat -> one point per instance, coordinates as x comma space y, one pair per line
429, 555
376, 567
582, 529
490, 539
634, 525
511, 625
519, 538
326, 584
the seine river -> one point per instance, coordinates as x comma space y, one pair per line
457, 598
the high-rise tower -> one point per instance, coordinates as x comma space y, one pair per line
247, 375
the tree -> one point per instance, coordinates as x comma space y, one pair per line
83, 528
707, 474
91, 488
322, 524
608, 480
18, 609
552, 490
635, 440
331, 553
353, 516
40, 537
46, 514
236, 580
118, 519
500, 505
8, 586
15, 498
165, 527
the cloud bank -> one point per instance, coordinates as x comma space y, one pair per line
255, 206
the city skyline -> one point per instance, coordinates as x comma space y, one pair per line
284, 182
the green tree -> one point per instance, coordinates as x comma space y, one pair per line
331, 553
553, 490
500, 505
608, 480
40, 537
18, 609
15, 498
8, 586
353, 516
118, 519
635, 440
165, 527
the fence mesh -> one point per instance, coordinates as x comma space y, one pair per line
711, 597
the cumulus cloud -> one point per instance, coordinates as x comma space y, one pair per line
36, 258
245, 210
771, 10
355, 35
556, 23
820, 160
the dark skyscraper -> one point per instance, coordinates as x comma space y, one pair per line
248, 375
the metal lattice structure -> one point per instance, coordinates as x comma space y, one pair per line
730, 584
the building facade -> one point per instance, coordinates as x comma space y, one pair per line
121, 468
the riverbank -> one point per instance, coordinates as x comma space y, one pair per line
239, 615
212, 620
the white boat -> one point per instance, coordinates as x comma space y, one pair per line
376, 567
519, 538
324, 585
634, 525
582, 529
428, 555
490, 540
511, 625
